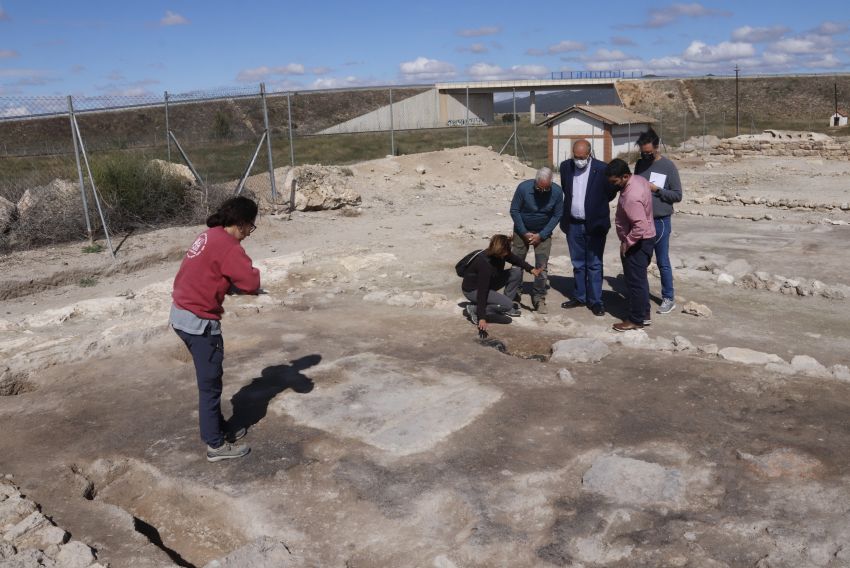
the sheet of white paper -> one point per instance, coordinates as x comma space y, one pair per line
657, 179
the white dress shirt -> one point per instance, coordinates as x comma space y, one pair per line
580, 178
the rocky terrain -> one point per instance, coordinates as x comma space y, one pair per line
385, 434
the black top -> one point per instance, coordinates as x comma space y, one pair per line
487, 273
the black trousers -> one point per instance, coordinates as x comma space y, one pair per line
635, 262
208, 355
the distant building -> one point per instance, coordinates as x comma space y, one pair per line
611, 130
838, 119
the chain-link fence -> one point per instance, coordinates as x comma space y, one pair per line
212, 144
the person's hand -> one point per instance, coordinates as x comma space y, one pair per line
482, 324
260, 292
536, 272
527, 238
654, 187
535, 240
623, 249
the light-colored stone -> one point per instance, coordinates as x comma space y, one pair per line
695, 309
781, 463
15, 509
725, 278
579, 350
75, 554
322, 187
682, 344
633, 482
709, 349
390, 403
420, 169
738, 268
841, 372
809, 366
180, 171
566, 377
780, 368
31, 522
265, 552
748, 356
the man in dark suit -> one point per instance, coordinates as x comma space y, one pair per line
586, 223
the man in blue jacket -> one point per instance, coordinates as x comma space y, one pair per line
536, 209
586, 223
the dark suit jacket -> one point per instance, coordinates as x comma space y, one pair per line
599, 194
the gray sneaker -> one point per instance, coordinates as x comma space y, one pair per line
667, 306
472, 313
227, 451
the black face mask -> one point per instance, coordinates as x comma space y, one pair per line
647, 155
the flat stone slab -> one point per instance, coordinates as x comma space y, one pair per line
392, 404
749, 356
634, 482
579, 350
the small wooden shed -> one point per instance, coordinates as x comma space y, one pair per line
838, 119
611, 130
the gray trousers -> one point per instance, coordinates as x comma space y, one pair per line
541, 260
498, 303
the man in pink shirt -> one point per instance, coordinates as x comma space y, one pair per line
636, 231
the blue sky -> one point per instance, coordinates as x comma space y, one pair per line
119, 48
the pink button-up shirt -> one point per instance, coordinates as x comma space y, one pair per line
634, 212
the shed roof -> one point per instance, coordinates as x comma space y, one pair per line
609, 114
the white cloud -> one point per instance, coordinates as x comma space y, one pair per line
611, 60
424, 69
831, 28
115, 75
261, 73
338, 82
478, 32
77, 68
566, 45
828, 61
664, 16
725, 51
489, 72
759, 35
474, 48
533, 51
8, 53
26, 77
320, 70
9, 112
803, 45
173, 19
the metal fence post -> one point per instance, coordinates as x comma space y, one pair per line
703, 133
661, 138
79, 167
630, 141
93, 187
467, 116
684, 128
289, 124
392, 125
516, 152
268, 140
167, 128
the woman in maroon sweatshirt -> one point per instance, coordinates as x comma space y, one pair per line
215, 264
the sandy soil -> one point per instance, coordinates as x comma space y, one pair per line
385, 435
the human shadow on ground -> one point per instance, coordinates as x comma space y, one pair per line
251, 403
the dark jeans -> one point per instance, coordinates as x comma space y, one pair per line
208, 355
586, 252
498, 303
635, 262
663, 228
541, 260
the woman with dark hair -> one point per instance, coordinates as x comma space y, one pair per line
215, 265
666, 187
485, 273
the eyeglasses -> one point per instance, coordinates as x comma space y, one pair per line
252, 229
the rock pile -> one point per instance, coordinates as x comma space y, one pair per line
31, 539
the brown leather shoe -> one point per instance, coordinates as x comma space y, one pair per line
626, 325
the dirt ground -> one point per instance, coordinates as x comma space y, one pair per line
384, 435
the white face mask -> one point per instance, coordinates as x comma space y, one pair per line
581, 164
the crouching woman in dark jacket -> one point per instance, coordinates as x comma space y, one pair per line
486, 273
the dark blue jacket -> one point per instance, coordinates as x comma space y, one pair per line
536, 211
597, 216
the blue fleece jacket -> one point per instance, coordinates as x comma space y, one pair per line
536, 211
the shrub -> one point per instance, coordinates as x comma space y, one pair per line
135, 191
221, 126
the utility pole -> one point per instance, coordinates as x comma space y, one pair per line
737, 112
836, 98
